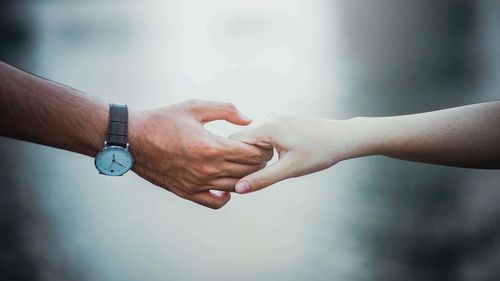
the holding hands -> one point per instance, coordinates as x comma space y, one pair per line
173, 150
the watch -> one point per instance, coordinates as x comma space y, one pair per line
115, 159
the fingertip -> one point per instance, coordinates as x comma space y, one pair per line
220, 202
239, 119
242, 187
217, 193
244, 118
211, 199
235, 115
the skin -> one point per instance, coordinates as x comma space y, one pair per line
467, 136
170, 145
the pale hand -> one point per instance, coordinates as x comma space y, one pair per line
305, 145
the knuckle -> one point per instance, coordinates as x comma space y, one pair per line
193, 103
252, 169
254, 157
206, 149
259, 182
210, 151
209, 170
229, 107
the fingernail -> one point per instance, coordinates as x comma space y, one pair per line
217, 193
242, 116
242, 187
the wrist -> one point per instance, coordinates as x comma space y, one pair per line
90, 141
364, 136
136, 133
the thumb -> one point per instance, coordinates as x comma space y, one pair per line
272, 174
210, 111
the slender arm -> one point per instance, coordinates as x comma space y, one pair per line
467, 136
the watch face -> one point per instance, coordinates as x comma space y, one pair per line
113, 161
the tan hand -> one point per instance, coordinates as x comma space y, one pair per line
173, 150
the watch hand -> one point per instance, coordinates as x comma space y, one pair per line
114, 158
118, 163
111, 165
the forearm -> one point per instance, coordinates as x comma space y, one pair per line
170, 146
44, 112
467, 136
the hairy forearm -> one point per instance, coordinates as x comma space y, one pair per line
170, 146
40, 111
467, 136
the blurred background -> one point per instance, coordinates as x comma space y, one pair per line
365, 219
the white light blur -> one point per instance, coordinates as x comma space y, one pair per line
263, 56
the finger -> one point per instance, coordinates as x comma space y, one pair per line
274, 173
208, 111
211, 199
258, 135
233, 174
238, 170
223, 184
243, 153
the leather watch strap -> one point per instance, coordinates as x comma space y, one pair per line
118, 125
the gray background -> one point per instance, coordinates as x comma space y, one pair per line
365, 219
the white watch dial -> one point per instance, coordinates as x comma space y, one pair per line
113, 161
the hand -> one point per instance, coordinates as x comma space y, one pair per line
304, 145
173, 150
